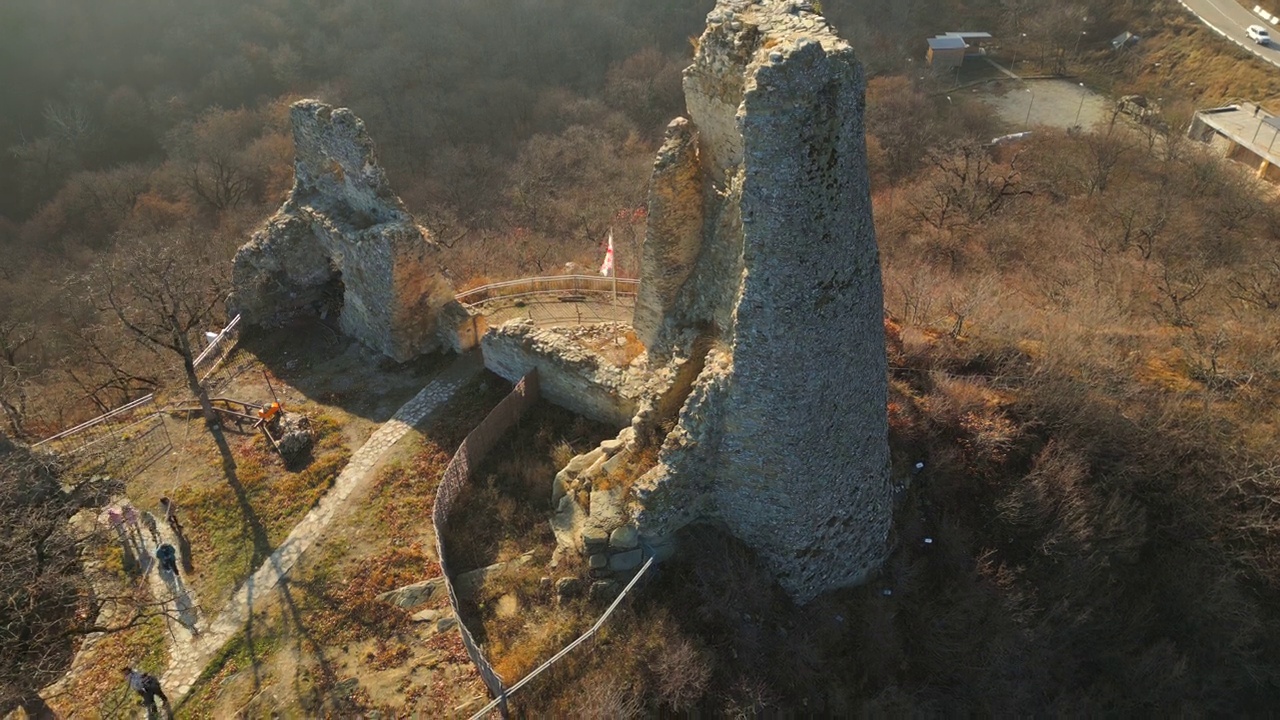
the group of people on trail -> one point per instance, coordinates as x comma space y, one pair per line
128, 523
124, 521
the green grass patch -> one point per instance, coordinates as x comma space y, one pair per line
234, 528
403, 494
237, 655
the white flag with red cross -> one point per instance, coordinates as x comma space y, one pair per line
608, 257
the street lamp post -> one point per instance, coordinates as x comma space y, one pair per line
1027, 123
1081, 106
1079, 37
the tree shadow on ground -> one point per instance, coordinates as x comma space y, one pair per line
254, 529
331, 369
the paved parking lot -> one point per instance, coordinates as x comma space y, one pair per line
1056, 103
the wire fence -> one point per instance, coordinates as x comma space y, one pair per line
457, 475
88, 432
500, 702
128, 438
121, 441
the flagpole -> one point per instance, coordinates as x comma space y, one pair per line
615, 270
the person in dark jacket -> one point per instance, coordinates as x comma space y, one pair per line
147, 686
168, 558
171, 515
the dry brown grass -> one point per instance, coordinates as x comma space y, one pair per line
1180, 57
99, 690
624, 476
504, 511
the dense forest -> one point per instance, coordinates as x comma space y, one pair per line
1082, 328
522, 128
517, 132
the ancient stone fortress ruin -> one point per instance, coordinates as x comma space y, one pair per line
758, 402
764, 377
343, 243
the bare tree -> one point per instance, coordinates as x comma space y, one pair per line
1139, 216
51, 599
1257, 284
106, 372
68, 123
15, 336
214, 157
164, 290
966, 186
1177, 285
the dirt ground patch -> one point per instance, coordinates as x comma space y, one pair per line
326, 645
236, 517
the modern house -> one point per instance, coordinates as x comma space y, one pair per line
1244, 132
946, 52
950, 49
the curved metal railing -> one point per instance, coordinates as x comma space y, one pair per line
549, 285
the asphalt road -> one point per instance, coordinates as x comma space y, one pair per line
1230, 18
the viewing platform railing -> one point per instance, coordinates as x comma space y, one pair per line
564, 285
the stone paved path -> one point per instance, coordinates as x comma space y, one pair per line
188, 659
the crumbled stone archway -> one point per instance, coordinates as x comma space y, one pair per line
343, 226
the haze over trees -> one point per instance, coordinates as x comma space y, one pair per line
1082, 329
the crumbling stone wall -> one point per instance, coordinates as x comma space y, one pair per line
809, 364
342, 222
761, 249
570, 374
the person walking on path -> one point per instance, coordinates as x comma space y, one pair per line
171, 515
116, 519
132, 526
148, 687
132, 557
168, 558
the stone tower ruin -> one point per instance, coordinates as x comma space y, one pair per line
343, 242
764, 381
762, 241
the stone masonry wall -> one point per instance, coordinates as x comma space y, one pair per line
570, 375
343, 220
822, 514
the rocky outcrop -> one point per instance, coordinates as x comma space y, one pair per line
296, 437
761, 274
673, 237
343, 243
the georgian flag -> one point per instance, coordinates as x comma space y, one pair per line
608, 257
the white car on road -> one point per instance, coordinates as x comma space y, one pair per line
1258, 34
